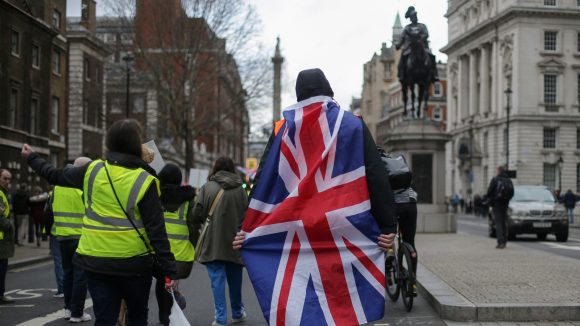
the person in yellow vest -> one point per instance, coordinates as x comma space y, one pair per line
6, 232
123, 238
177, 209
64, 218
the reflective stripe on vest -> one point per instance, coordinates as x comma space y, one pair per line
6, 214
68, 209
106, 230
178, 234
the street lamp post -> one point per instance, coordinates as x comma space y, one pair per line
508, 93
128, 58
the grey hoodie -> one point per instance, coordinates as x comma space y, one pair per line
228, 215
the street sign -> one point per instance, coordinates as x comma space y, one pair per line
197, 177
251, 163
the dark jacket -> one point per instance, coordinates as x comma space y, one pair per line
227, 217
492, 191
149, 206
380, 192
569, 200
6, 244
20, 203
172, 197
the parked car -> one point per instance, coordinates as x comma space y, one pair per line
534, 210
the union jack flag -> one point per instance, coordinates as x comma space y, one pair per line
311, 249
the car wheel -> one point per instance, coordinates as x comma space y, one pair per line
542, 236
562, 236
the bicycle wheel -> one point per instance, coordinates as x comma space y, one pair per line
391, 275
407, 276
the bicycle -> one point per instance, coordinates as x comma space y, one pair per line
400, 276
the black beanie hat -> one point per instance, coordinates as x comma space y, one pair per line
170, 175
312, 82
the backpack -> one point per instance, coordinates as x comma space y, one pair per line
400, 176
505, 189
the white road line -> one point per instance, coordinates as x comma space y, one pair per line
17, 306
562, 246
52, 316
473, 224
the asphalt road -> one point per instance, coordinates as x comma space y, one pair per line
468, 224
33, 288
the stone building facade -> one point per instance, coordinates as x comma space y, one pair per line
32, 83
531, 47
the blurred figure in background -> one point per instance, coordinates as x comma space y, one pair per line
570, 204
37, 205
21, 207
6, 232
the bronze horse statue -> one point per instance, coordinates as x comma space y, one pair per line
418, 72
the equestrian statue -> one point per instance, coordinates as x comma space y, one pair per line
417, 64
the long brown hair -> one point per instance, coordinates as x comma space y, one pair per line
223, 164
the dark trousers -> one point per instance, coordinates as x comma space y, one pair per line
75, 283
164, 302
407, 215
3, 270
500, 216
107, 292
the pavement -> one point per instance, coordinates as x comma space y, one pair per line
29, 254
466, 279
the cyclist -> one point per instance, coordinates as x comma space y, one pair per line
401, 180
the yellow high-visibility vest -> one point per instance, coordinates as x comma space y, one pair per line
178, 234
6, 214
106, 230
68, 209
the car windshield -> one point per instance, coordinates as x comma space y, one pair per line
532, 194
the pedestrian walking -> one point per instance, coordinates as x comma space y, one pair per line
500, 192
477, 205
64, 218
21, 207
6, 233
320, 169
37, 206
570, 204
123, 239
220, 209
177, 202
455, 200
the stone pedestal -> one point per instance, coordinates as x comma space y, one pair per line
422, 142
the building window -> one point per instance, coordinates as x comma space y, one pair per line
578, 138
437, 89
56, 62
387, 70
127, 38
85, 112
550, 3
87, 69
550, 175
138, 104
13, 108
485, 143
34, 116
116, 105
56, 18
54, 114
578, 42
15, 43
549, 137
550, 41
437, 113
550, 88
98, 74
577, 178
35, 56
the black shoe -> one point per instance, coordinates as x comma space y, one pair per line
500, 246
5, 300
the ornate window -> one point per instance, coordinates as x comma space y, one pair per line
437, 114
437, 89
550, 175
550, 88
56, 18
549, 137
550, 3
550, 40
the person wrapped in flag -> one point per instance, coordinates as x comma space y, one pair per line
320, 216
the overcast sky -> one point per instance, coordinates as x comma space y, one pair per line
338, 36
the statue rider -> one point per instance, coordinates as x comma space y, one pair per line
405, 43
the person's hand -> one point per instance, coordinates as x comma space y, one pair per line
26, 151
170, 284
239, 240
386, 241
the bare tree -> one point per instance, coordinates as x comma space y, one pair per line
201, 58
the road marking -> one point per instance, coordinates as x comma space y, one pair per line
561, 246
17, 306
52, 316
29, 294
27, 268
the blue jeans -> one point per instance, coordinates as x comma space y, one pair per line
107, 292
218, 272
75, 282
570, 215
3, 271
57, 258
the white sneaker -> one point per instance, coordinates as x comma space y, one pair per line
215, 323
85, 317
241, 319
58, 295
67, 314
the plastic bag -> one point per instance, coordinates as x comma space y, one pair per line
177, 318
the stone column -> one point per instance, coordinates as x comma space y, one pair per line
462, 89
277, 100
484, 80
473, 103
494, 75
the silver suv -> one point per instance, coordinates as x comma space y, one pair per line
533, 209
